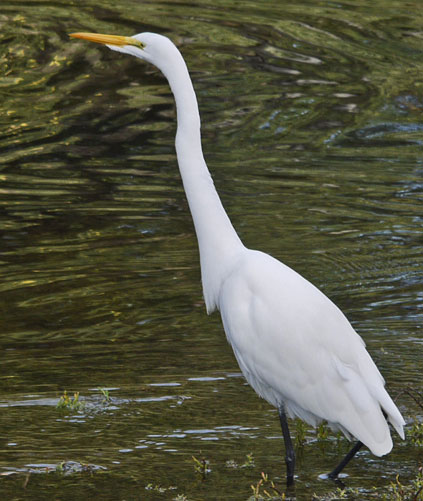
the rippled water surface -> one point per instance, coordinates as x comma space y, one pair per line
313, 131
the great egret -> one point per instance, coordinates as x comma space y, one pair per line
294, 346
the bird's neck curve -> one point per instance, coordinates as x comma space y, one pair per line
218, 241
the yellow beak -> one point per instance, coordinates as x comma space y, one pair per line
117, 40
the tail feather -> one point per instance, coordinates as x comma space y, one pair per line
376, 387
394, 417
370, 409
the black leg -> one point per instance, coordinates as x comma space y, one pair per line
289, 449
334, 473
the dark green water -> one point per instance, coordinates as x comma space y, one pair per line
313, 131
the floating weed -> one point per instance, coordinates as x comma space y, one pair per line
335, 495
416, 395
231, 463
202, 466
106, 396
249, 462
322, 431
70, 403
159, 488
416, 433
72, 467
339, 437
266, 489
398, 491
300, 432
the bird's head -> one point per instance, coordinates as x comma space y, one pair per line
162, 53
156, 49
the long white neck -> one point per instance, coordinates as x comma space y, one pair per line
217, 239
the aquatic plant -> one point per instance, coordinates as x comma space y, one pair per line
265, 489
415, 433
248, 463
300, 432
106, 396
70, 403
159, 488
202, 466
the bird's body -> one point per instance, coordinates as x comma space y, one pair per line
293, 345
303, 355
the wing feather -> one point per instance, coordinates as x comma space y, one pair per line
296, 348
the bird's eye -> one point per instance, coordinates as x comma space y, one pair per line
138, 44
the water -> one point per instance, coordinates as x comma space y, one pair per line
312, 130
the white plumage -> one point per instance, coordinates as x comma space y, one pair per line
293, 345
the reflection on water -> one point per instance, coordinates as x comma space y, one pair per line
312, 129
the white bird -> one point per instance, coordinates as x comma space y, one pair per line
293, 345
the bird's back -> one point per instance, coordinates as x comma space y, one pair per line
296, 348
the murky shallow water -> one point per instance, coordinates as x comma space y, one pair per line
313, 132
